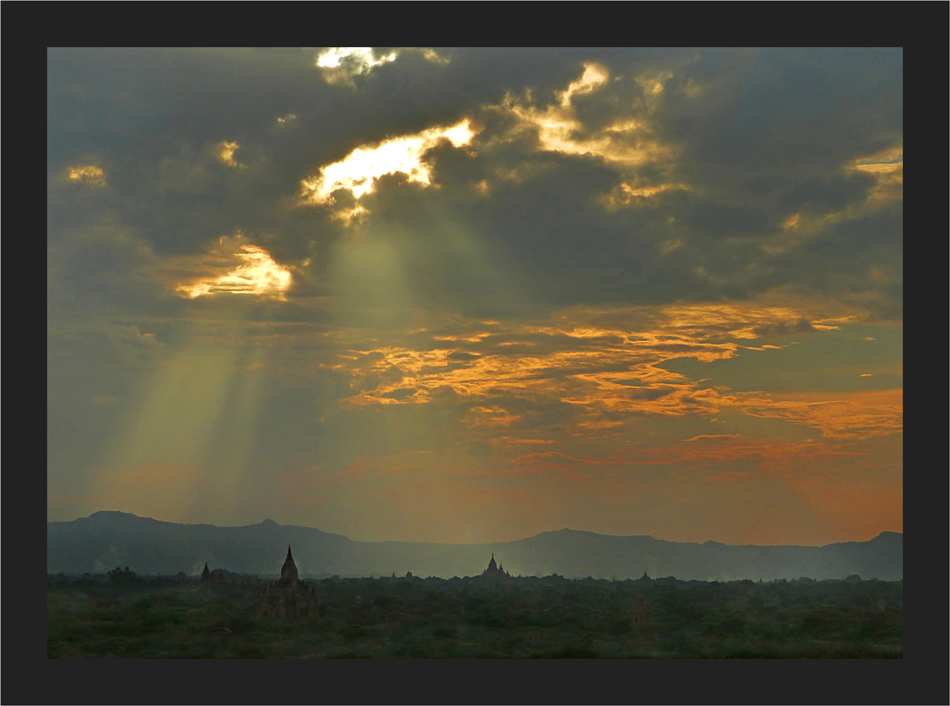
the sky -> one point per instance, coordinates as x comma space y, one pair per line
471, 295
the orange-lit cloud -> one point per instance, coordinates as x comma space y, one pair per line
593, 77
433, 56
853, 415
226, 152
887, 161
509, 441
490, 417
629, 141
606, 363
88, 175
887, 168
231, 268
635, 195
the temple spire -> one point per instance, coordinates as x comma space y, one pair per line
289, 570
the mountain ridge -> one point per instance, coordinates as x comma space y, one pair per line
110, 538
270, 522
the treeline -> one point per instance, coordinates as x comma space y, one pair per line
122, 615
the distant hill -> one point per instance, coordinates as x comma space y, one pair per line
105, 540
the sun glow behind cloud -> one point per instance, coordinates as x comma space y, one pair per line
258, 275
340, 64
359, 170
360, 59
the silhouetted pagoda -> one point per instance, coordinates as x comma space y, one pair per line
216, 576
288, 596
641, 613
495, 572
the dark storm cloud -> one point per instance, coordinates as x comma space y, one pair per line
156, 117
816, 195
759, 135
560, 235
719, 220
785, 109
783, 328
103, 267
155, 113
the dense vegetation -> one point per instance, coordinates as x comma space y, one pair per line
124, 615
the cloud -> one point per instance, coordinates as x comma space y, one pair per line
490, 417
627, 141
565, 107
887, 170
100, 266
226, 154
851, 416
359, 171
603, 363
636, 195
88, 175
509, 441
469, 252
232, 267
340, 64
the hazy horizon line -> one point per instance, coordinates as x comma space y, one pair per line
563, 529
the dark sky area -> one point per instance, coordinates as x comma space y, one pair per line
473, 295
